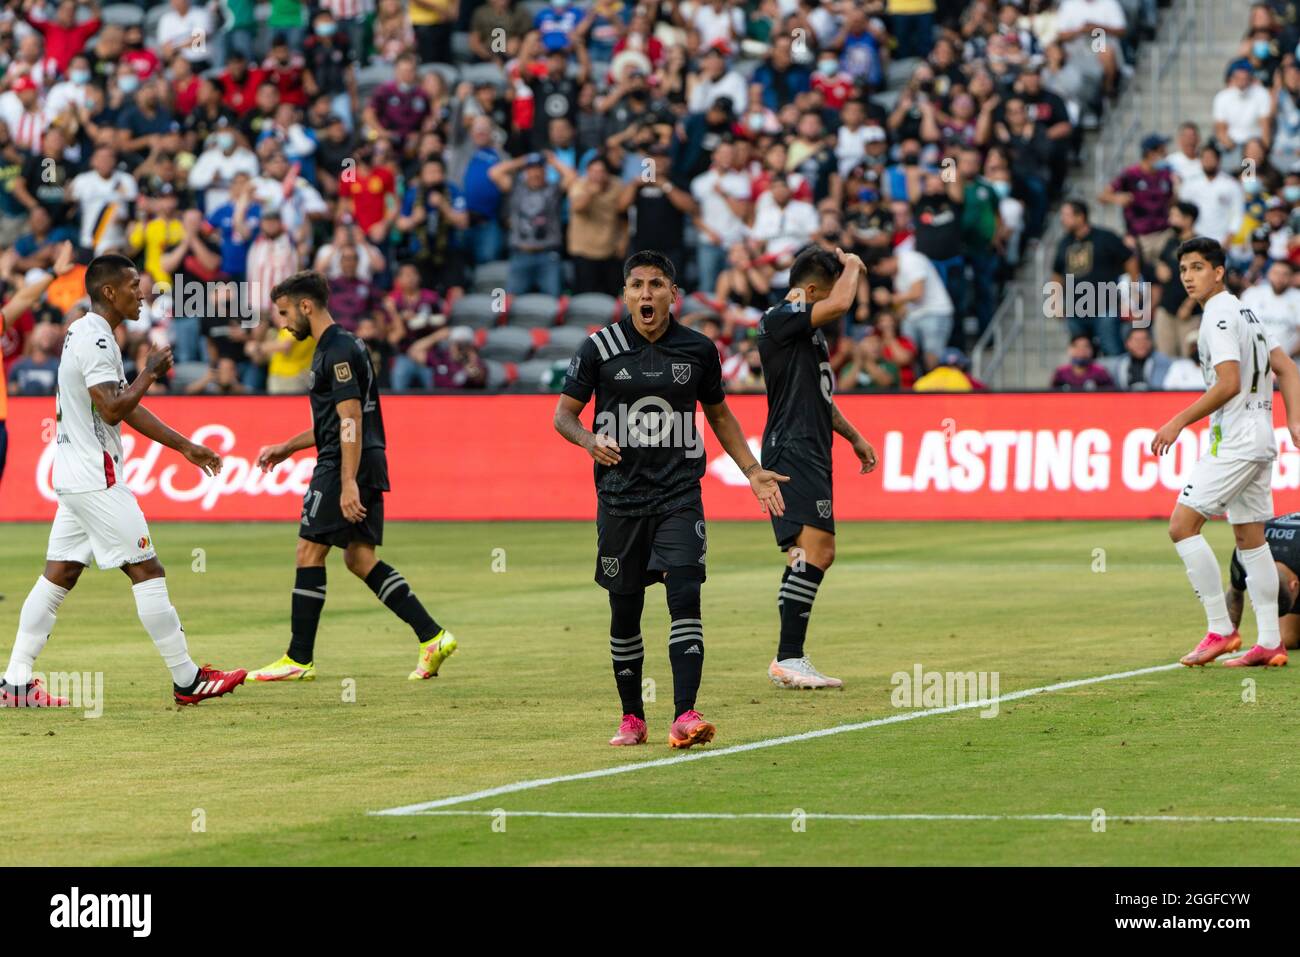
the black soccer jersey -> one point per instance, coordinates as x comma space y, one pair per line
645, 400
1283, 537
341, 370
800, 385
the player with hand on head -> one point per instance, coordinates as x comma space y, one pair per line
344, 505
1238, 361
98, 517
802, 419
647, 372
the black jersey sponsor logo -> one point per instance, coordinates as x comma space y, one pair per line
342, 372
681, 372
610, 566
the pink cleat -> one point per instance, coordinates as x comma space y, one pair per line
689, 729
1259, 655
631, 731
1211, 646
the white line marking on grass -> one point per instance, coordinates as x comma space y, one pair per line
757, 745
813, 816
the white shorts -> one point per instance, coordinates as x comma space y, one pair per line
106, 525
1242, 488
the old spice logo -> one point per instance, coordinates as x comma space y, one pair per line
181, 482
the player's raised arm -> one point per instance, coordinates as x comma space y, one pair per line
1227, 384
1288, 383
269, 456
29, 294
842, 294
152, 427
861, 447
765, 484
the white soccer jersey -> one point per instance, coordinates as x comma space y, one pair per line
88, 452
1243, 427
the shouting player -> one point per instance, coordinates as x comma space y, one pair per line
98, 517
1283, 535
647, 372
344, 505
801, 419
1238, 361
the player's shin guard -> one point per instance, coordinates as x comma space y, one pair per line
685, 638
164, 626
35, 622
1262, 583
795, 600
626, 649
1203, 570
391, 588
304, 613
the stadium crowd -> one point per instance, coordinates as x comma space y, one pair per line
469, 175
1237, 182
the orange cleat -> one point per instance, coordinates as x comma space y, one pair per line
690, 728
1259, 655
1211, 646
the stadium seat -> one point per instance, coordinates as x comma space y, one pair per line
562, 342
747, 68
460, 51
373, 76
450, 72
534, 310
185, 374
122, 14
532, 375
151, 18
490, 276
507, 344
900, 71
477, 73
589, 308
498, 374
533, 7
476, 311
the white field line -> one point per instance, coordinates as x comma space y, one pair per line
764, 743
814, 816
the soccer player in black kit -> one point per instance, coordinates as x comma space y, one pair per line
647, 372
801, 420
1282, 534
344, 505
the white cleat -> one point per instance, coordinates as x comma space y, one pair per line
799, 673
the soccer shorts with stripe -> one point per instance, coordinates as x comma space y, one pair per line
635, 550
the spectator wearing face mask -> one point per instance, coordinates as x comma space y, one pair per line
1145, 191
217, 167
1081, 373
1139, 368
1242, 110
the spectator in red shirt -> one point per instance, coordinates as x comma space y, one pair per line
64, 37
185, 86
352, 298
1146, 192
139, 57
830, 80
239, 83
284, 68
371, 196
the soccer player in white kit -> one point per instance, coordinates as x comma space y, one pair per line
1238, 360
98, 517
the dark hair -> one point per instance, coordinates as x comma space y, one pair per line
649, 257
1190, 210
814, 264
106, 270
1085, 337
1204, 246
1079, 206
306, 284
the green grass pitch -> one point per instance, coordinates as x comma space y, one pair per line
285, 774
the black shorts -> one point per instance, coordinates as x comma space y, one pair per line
633, 551
322, 518
807, 498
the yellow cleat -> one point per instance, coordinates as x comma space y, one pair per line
286, 669
432, 654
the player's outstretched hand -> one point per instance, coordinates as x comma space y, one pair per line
350, 503
1165, 438
866, 455
159, 361
204, 458
604, 449
767, 490
269, 456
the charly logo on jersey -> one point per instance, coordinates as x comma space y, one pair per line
824, 507
609, 565
650, 422
681, 372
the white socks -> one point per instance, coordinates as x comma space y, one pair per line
1203, 570
1261, 582
35, 622
164, 626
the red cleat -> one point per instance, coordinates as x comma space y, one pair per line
34, 697
630, 732
211, 683
1259, 655
689, 729
1211, 646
